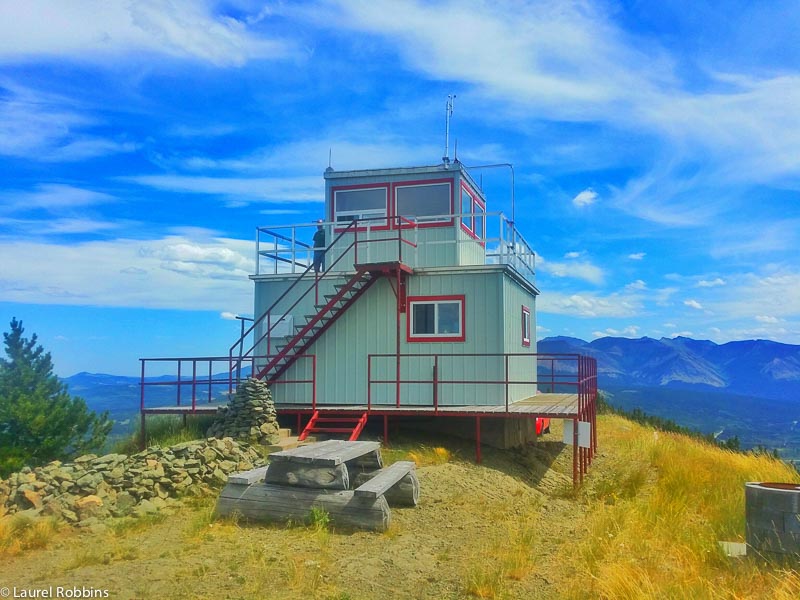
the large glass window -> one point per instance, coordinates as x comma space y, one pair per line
436, 319
424, 201
365, 203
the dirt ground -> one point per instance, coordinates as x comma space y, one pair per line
499, 529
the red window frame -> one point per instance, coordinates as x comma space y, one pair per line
526, 335
400, 184
432, 300
475, 200
362, 186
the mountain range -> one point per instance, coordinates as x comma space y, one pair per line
748, 389
752, 367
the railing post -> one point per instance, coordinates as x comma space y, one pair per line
194, 384
179, 382
141, 406
141, 386
258, 250
210, 379
505, 357
436, 383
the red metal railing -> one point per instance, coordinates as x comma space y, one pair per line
577, 373
580, 378
206, 384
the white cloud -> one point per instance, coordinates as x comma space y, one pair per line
637, 285
711, 283
227, 316
637, 255
693, 304
585, 198
588, 305
585, 271
766, 319
670, 325
260, 189
573, 255
54, 197
170, 272
47, 128
105, 30
630, 331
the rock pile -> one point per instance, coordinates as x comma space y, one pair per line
250, 415
94, 487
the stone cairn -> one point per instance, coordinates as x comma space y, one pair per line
116, 485
249, 416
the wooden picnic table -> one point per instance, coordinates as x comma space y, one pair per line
322, 475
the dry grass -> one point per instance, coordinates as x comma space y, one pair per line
19, 533
645, 525
656, 513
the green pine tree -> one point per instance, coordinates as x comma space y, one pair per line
39, 420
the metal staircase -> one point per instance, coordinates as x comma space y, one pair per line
350, 425
306, 333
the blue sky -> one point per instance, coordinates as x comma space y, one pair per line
656, 148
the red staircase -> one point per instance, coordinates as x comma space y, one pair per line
316, 325
348, 424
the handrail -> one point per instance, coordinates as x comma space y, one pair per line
584, 378
267, 312
210, 380
351, 227
503, 242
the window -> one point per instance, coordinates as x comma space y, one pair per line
480, 219
473, 211
526, 326
435, 319
424, 200
361, 203
466, 207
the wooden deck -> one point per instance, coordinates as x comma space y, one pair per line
541, 405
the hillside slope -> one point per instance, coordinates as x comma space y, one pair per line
645, 524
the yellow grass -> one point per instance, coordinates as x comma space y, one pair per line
19, 533
657, 511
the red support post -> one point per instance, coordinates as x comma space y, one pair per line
436, 383
506, 378
575, 452
478, 440
369, 382
314, 381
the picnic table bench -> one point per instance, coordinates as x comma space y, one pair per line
344, 478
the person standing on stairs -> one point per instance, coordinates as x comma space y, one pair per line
319, 248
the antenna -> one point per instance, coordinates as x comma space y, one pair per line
448, 112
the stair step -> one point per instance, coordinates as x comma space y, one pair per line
335, 420
331, 430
